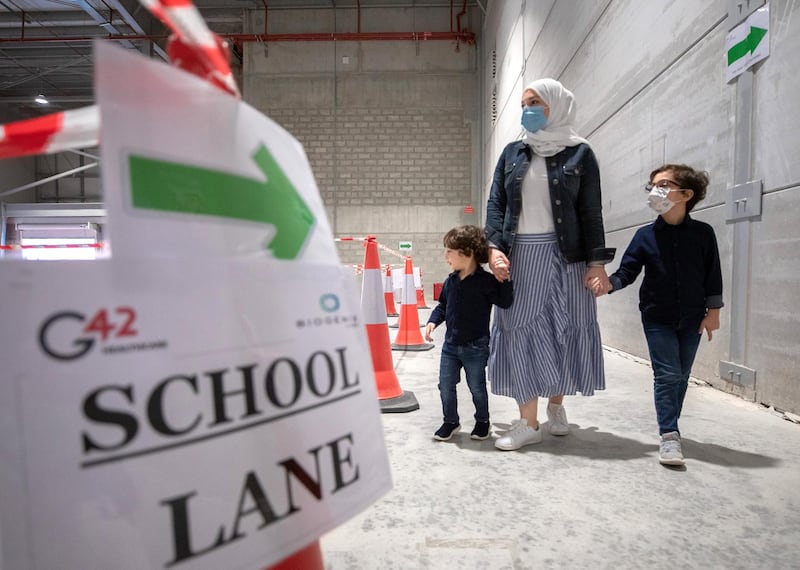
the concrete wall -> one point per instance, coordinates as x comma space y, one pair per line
391, 128
649, 78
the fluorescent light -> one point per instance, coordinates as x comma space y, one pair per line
41, 99
51, 249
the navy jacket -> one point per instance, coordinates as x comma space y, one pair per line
466, 304
682, 275
574, 181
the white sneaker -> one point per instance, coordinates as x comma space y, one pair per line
519, 435
511, 426
669, 452
557, 418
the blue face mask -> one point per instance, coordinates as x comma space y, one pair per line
533, 118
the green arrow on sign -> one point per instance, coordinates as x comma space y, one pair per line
173, 187
747, 45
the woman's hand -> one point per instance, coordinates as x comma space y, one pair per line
596, 280
499, 264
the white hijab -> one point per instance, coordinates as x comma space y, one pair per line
559, 132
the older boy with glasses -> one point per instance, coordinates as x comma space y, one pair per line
681, 294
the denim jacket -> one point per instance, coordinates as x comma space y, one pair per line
574, 181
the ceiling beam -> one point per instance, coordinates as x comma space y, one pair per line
131, 21
103, 22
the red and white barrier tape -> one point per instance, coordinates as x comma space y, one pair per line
193, 47
396, 253
52, 133
380, 245
393, 252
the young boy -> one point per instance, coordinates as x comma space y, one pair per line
681, 293
465, 304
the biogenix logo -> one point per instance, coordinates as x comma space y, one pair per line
329, 305
69, 335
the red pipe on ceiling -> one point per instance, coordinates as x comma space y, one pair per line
462, 36
468, 37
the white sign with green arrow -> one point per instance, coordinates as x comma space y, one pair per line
201, 173
747, 43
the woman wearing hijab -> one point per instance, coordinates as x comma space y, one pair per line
545, 227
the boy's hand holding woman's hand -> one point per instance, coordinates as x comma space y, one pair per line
596, 280
499, 265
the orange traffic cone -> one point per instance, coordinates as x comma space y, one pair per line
388, 293
421, 293
396, 324
309, 558
408, 336
391, 397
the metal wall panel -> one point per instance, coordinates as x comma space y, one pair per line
669, 121
534, 17
566, 25
774, 335
632, 44
509, 73
776, 115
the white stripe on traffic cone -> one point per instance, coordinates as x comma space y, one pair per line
408, 335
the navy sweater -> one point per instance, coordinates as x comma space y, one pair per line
466, 304
682, 276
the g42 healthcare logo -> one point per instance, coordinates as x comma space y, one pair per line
69, 335
330, 305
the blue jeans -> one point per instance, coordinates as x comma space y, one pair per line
472, 357
672, 351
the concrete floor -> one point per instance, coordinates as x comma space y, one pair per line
597, 498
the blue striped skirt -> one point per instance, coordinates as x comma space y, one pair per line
548, 342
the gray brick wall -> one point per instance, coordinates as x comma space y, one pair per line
387, 157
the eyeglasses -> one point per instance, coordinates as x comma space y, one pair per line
664, 183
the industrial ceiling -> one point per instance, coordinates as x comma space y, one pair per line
45, 45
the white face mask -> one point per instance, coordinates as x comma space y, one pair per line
659, 201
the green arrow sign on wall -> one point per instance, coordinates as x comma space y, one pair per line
747, 45
173, 187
